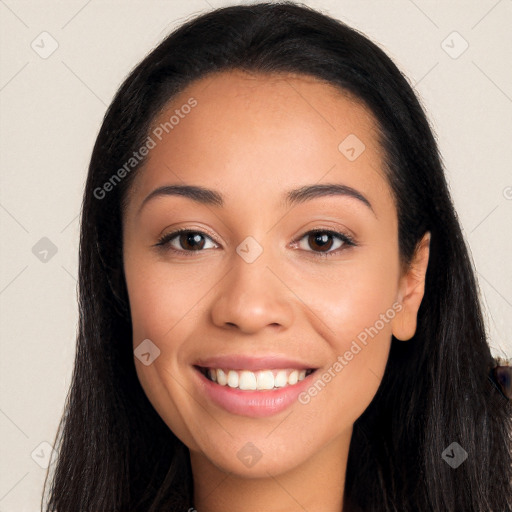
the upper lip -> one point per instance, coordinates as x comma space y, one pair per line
243, 362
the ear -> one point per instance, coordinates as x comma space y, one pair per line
411, 290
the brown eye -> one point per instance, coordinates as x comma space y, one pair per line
191, 241
185, 241
321, 242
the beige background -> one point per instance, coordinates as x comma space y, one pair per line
52, 107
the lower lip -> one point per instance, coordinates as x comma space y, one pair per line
254, 404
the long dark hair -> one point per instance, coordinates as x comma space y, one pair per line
117, 454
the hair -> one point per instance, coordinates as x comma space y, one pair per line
117, 454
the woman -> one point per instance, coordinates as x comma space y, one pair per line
277, 307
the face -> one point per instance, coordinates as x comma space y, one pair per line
278, 282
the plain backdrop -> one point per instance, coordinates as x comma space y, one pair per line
62, 62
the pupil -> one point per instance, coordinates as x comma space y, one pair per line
321, 239
191, 238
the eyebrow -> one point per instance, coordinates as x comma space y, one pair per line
305, 193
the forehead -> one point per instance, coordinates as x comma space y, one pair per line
260, 135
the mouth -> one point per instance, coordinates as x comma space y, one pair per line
261, 380
252, 386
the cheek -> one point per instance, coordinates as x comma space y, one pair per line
164, 307
352, 296
357, 303
162, 296
357, 300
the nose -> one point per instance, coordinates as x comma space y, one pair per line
252, 297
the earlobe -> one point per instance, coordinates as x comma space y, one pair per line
412, 289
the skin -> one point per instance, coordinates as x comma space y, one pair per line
253, 138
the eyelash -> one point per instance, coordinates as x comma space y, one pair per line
347, 240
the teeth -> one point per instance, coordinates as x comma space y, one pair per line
261, 380
265, 380
247, 380
232, 379
281, 379
221, 377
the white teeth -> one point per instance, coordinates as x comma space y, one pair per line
261, 380
293, 377
232, 379
247, 380
281, 379
265, 380
221, 377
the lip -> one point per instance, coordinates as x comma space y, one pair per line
253, 363
253, 404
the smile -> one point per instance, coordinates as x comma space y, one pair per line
261, 380
253, 393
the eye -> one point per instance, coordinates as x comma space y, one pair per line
188, 241
184, 241
321, 241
